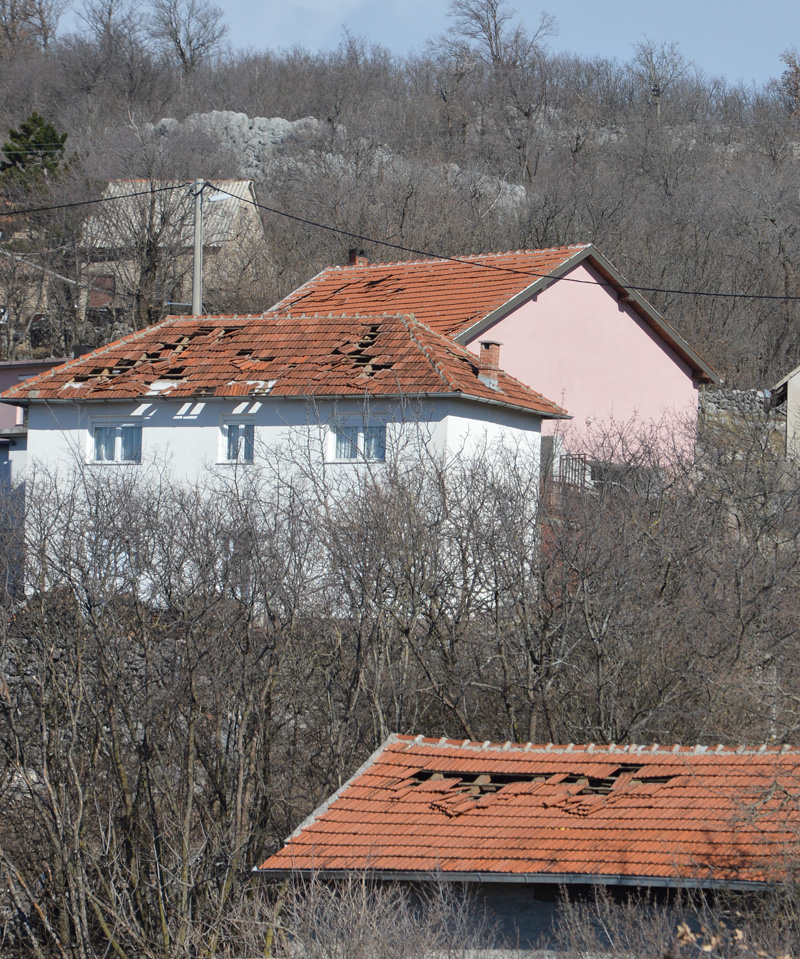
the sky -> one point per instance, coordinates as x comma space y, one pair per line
738, 39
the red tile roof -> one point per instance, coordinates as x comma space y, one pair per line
454, 296
446, 295
279, 355
621, 813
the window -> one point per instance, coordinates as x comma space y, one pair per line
375, 443
117, 443
238, 442
359, 442
346, 443
101, 292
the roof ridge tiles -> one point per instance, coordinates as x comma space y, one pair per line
465, 258
462, 353
426, 351
654, 749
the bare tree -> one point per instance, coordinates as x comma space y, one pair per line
488, 24
658, 67
26, 23
189, 30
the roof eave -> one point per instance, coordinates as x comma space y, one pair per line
529, 878
703, 372
316, 397
785, 380
518, 299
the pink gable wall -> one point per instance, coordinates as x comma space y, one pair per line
581, 347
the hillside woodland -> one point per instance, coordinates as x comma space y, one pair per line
482, 141
187, 672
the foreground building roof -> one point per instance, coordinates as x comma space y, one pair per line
643, 815
286, 355
460, 297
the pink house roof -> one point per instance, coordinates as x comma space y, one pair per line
620, 814
460, 297
279, 355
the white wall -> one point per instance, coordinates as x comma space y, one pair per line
187, 438
793, 417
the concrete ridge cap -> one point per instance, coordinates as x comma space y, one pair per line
599, 750
463, 258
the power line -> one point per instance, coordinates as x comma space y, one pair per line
427, 254
505, 269
102, 199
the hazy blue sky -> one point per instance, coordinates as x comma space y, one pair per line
736, 39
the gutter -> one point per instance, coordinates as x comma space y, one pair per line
557, 879
339, 397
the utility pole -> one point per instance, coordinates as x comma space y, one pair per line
197, 260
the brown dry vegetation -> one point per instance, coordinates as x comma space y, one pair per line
187, 672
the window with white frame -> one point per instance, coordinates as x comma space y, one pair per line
238, 441
361, 442
116, 443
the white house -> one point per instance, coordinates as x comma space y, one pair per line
226, 391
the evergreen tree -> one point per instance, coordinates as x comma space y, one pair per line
34, 152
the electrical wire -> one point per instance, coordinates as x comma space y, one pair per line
102, 199
506, 269
427, 254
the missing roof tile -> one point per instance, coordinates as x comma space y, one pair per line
476, 784
461, 791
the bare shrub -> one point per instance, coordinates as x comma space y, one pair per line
359, 918
683, 923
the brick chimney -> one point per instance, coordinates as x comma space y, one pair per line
357, 258
489, 362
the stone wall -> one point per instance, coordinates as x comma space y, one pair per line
747, 411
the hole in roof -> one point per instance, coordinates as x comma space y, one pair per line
370, 369
475, 786
122, 366
331, 294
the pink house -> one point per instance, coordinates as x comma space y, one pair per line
569, 324
13, 431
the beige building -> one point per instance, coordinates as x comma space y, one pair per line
139, 244
787, 391
131, 266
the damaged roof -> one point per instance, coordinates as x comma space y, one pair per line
231, 356
644, 815
447, 295
460, 297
